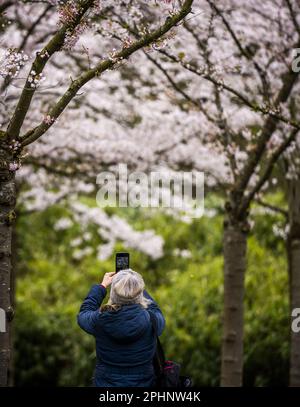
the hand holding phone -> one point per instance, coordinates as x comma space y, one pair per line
107, 279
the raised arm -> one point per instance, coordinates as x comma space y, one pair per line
89, 310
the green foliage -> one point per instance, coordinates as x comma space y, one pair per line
52, 350
191, 304
267, 322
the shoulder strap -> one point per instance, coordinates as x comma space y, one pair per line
153, 322
160, 354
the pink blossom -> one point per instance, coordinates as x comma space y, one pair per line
14, 166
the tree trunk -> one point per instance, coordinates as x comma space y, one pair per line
14, 260
293, 251
235, 248
7, 215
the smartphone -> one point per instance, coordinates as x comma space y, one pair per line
122, 261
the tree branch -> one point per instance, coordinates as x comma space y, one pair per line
243, 51
194, 102
247, 102
268, 170
124, 53
273, 208
293, 16
33, 26
42, 57
267, 131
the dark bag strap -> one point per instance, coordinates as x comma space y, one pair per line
159, 357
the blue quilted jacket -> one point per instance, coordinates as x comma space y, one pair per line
125, 341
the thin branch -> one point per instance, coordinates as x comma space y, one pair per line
124, 53
194, 102
242, 50
226, 132
247, 102
33, 26
267, 171
54, 45
273, 208
267, 131
29, 33
293, 16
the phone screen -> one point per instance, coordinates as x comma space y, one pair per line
122, 261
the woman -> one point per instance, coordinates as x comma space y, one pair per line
125, 340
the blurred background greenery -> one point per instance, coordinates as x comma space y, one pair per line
51, 350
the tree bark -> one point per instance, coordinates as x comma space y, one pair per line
14, 260
235, 248
293, 253
7, 215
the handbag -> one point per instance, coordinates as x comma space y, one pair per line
167, 372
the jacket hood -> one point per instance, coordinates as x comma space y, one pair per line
127, 324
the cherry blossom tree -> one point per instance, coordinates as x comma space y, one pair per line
240, 58
290, 171
20, 128
216, 97
293, 252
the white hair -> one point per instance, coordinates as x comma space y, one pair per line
127, 288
